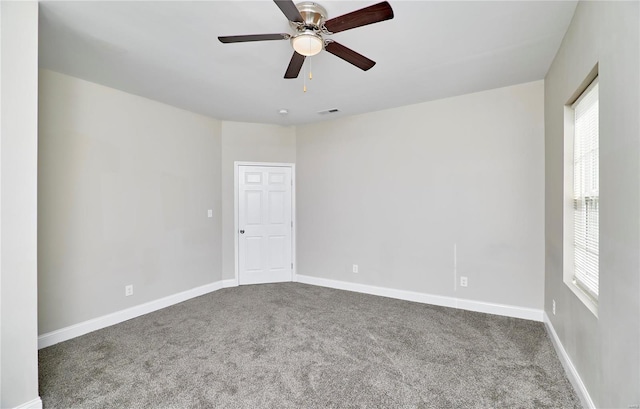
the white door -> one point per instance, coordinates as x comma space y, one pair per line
264, 224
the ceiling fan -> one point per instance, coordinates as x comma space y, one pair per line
309, 20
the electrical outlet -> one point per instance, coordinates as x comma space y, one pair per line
463, 281
553, 307
128, 290
210, 213
355, 268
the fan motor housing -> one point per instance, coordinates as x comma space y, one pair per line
312, 13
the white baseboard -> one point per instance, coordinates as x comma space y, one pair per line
76, 330
470, 305
32, 404
569, 368
233, 282
64, 334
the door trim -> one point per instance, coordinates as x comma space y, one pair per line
236, 238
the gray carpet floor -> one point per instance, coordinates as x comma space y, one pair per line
294, 345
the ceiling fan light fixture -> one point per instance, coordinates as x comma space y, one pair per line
307, 43
309, 22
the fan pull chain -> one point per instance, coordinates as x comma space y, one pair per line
304, 75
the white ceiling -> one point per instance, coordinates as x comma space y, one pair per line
168, 51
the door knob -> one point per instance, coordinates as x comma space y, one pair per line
241, 231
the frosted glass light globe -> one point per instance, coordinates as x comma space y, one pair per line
307, 43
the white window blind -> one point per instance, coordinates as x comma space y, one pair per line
586, 191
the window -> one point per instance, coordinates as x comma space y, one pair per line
585, 191
582, 268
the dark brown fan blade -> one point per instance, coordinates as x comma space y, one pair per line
295, 65
289, 10
349, 55
253, 37
368, 15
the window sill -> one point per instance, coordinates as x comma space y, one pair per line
582, 296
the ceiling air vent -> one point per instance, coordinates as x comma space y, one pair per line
329, 111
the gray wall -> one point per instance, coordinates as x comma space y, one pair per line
18, 203
248, 143
124, 188
393, 191
125, 183
605, 350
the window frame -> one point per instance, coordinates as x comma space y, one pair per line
585, 296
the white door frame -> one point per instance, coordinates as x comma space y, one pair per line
236, 237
